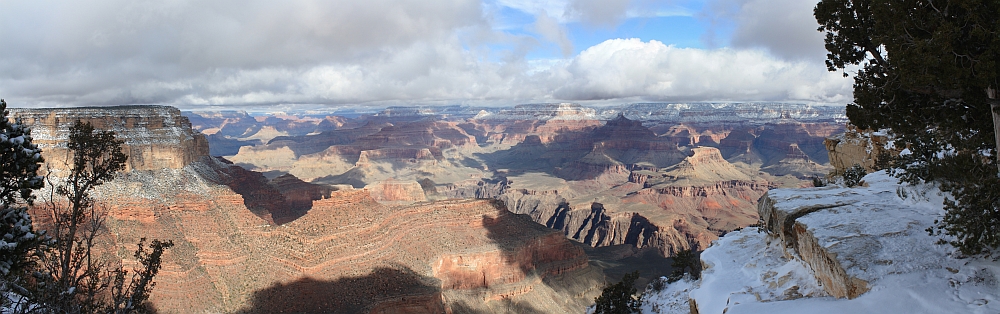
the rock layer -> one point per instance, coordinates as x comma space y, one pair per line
470, 254
155, 137
795, 235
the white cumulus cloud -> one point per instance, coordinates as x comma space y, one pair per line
623, 68
238, 53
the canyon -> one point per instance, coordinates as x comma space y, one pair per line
439, 209
664, 177
245, 243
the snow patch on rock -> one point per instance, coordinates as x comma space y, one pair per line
876, 233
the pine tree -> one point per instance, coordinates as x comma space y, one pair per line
72, 277
20, 160
925, 71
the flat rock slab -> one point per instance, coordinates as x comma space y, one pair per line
870, 239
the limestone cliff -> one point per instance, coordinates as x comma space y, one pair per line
155, 137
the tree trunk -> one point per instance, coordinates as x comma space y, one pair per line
995, 108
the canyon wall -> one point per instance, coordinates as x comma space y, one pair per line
155, 137
244, 243
348, 254
665, 176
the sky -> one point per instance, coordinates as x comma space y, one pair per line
246, 53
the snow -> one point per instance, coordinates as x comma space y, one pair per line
672, 299
746, 266
877, 236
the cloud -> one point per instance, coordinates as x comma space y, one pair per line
623, 68
600, 12
554, 8
786, 28
240, 53
552, 31
53, 36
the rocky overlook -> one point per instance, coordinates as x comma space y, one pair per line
835, 249
155, 137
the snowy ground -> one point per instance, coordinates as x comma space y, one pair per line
879, 238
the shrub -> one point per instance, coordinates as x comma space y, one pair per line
853, 175
658, 284
685, 262
619, 298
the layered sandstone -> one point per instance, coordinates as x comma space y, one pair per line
393, 192
665, 216
548, 122
155, 137
347, 254
704, 166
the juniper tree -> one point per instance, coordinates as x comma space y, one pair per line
924, 71
73, 278
619, 298
20, 160
685, 262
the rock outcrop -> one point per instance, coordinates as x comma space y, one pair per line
848, 237
839, 250
396, 192
155, 137
827, 268
857, 147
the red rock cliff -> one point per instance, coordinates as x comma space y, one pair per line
348, 254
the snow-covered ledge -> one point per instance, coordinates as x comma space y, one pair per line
874, 235
781, 212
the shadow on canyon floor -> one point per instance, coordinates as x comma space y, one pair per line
281, 199
348, 294
531, 155
618, 260
505, 306
529, 247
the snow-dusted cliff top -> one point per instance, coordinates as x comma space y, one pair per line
154, 137
877, 236
137, 125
